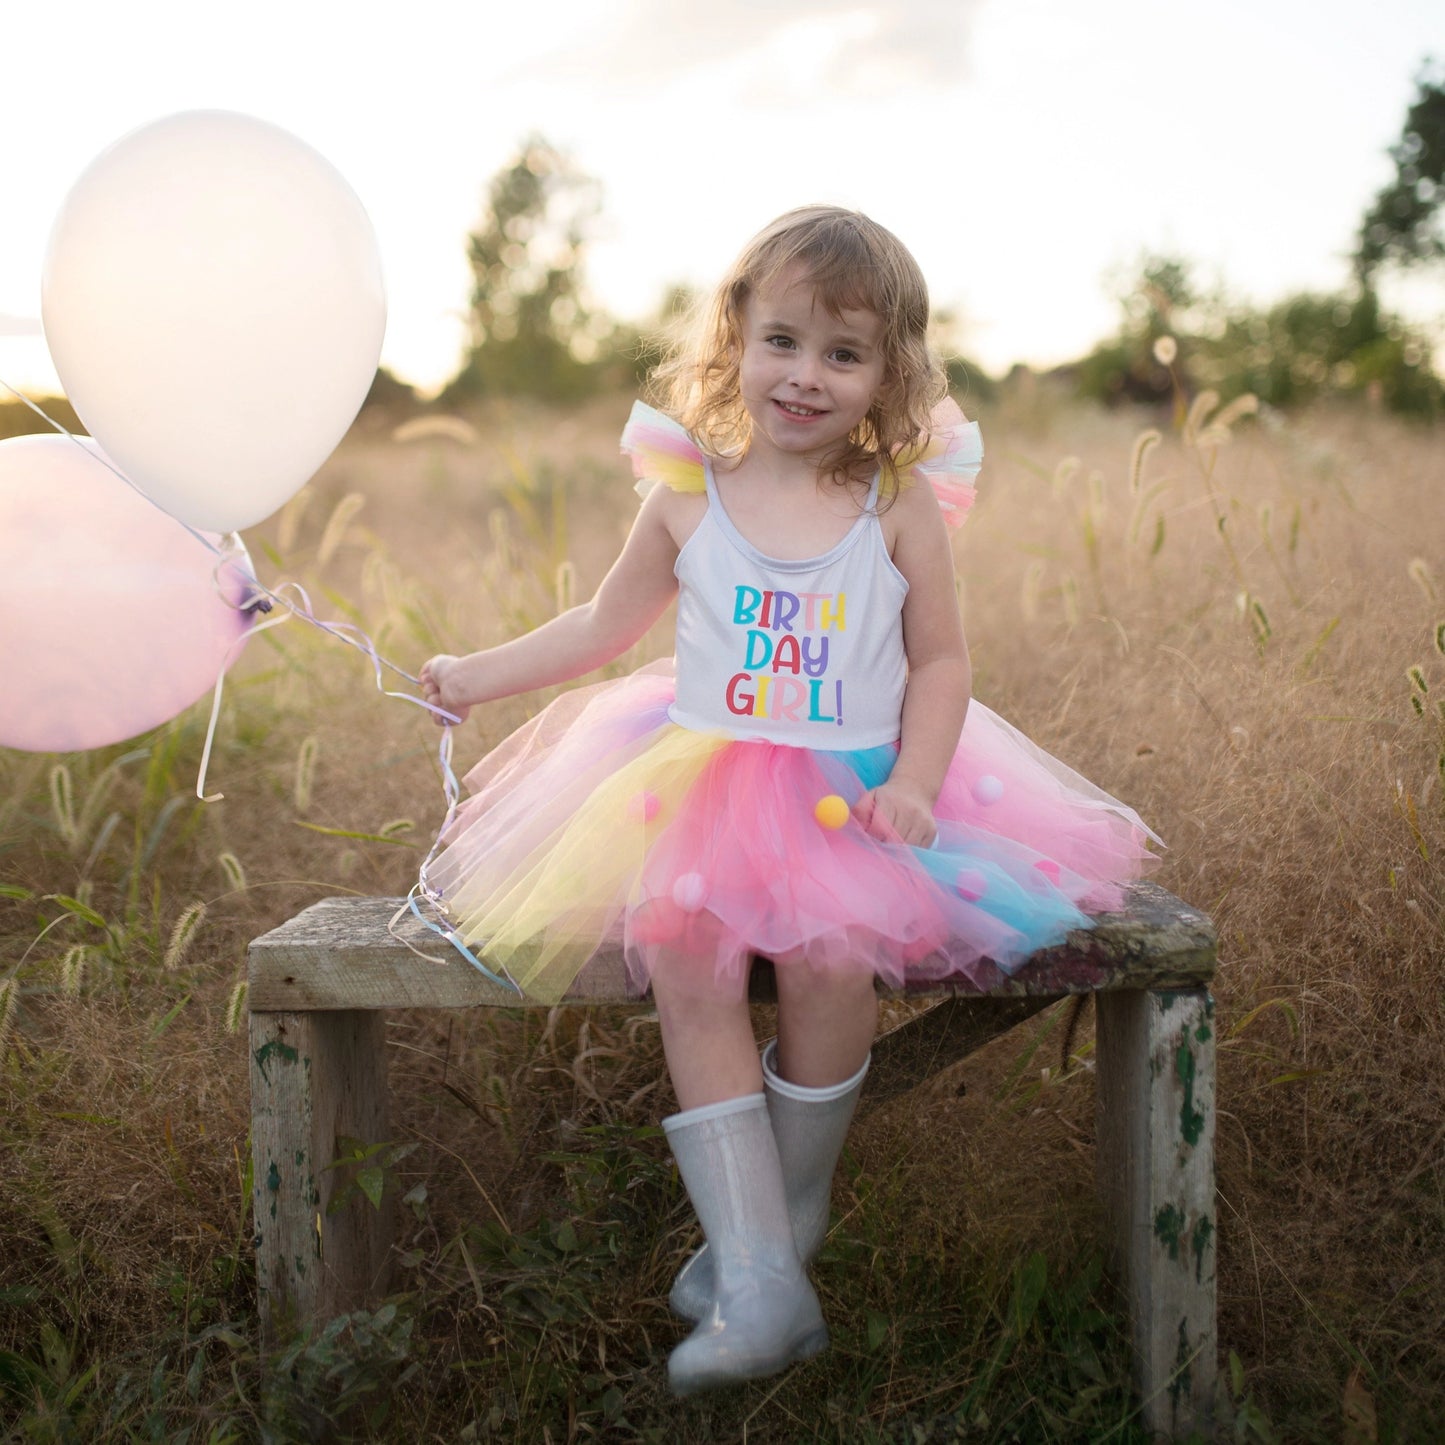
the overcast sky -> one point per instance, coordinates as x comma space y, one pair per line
1024, 149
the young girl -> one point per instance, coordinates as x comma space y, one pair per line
803, 787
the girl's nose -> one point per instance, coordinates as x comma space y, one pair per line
805, 372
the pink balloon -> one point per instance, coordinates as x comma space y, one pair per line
112, 616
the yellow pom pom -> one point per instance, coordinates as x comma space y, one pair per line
832, 811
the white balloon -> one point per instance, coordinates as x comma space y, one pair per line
213, 301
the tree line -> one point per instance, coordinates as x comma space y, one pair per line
535, 331
1309, 345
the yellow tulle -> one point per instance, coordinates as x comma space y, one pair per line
543, 921
674, 473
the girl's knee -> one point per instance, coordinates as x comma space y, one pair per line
685, 987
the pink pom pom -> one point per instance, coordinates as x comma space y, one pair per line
1049, 869
987, 790
642, 807
690, 892
971, 884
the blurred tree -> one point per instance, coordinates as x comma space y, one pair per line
968, 382
533, 331
672, 323
1311, 345
1159, 299
390, 394
1403, 224
1175, 338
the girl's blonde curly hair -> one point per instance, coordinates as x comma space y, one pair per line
853, 264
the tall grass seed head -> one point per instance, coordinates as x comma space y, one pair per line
1420, 575
187, 926
231, 869
305, 772
9, 1002
1245, 404
72, 968
1144, 443
62, 803
236, 1005
1198, 414
335, 531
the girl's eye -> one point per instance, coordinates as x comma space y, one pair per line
845, 356
783, 342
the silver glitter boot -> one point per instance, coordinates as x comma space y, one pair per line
810, 1126
763, 1315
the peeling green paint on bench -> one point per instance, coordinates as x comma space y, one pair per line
1168, 1226
269, 1050
1203, 1233
1191, 1120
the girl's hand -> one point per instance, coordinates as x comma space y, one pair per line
897, 812
436, 675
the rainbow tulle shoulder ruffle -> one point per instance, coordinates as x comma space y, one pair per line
949, 461
662, 453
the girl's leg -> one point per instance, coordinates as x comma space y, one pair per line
829, 1021
707, 1033
762, 1313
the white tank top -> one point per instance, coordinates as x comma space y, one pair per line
807, 653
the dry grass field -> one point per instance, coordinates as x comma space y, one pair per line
1235, 625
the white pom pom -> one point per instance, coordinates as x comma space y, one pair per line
690, 892
987, 790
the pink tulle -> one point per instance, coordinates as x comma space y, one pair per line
786, 888
602, 823
648, 431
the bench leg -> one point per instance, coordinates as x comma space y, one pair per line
315, 1078
1155, 1092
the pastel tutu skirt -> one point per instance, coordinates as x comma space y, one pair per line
602, 824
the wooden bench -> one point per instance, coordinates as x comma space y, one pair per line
321, 983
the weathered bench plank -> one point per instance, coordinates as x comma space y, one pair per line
320, 983
338, 954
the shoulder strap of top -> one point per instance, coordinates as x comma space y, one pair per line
948, 461
662, 451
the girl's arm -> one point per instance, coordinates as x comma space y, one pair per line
940, 680
633, 595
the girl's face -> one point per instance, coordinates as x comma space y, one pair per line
807, 377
